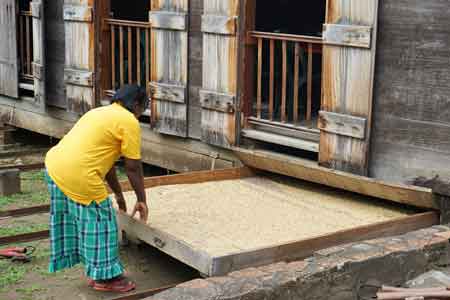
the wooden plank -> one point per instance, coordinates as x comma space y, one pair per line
130, 57
276, 138
219, 24
309, 82
347, 86
78, 13
121, 57
169, 66
113, 57
9, 72
220, 73
259, 80
283, 84
164, 242
341, 124
80, 52
28, 43
138, 56
26, 237
39, 54
25, 211
305, 248
193, 177
217, 101
168, 20
168, 92
347, 35
78, 77
296, 80
271, 79
310, 171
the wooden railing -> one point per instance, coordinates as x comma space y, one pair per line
296, 62
25, 45
130, 53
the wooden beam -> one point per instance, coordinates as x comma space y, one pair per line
305, 248
311, 171
342, 124
193, 177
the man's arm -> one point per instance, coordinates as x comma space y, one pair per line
113, 182
133, 168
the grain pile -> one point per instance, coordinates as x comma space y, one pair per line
235, 215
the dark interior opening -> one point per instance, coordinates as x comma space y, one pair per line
24, 5
136, 10
298, 18
291, 16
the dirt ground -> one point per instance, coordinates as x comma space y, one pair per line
31, 281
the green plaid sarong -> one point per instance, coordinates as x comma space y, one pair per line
83, 234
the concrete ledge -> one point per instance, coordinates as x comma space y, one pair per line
336, 273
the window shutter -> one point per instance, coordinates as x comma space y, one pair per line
39, 70
169, 72
79, 63
348, 72
9, 72
219, 88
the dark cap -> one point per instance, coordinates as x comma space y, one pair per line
128, 95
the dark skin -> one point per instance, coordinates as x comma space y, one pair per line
135, 174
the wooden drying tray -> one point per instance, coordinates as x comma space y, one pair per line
211, 265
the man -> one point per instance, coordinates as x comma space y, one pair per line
83, 226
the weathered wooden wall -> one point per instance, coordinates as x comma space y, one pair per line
195, 67
411, 132
55, 47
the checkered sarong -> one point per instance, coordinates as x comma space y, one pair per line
83, 234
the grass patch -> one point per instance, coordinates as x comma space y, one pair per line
10, 273
34, 191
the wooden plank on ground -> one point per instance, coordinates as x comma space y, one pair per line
304, 248
310, 171
193, 177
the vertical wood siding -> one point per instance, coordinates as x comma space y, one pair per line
347, 86
39, 67
79, 44
9, 73
220, 49
169, 66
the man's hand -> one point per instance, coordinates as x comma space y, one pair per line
121, 202
142, 208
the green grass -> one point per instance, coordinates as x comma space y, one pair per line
11, 273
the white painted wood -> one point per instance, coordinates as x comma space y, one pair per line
347, 85
168, 92
79, 77
347, 35
38, 65
169, 20
169, 71
220, 62
80, 53
217, 101
344, 125
219, 24
78, 13
9, 62
281, 140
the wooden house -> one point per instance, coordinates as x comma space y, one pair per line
360, 86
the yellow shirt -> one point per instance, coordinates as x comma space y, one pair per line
79, 163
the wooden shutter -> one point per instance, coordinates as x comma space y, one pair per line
9, 72
39, 70
348, 71
79, 61
219, 88
169, 52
